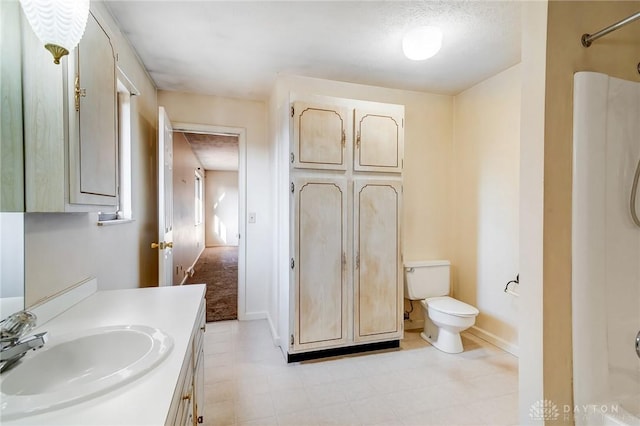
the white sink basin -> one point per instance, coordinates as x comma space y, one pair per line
80, 366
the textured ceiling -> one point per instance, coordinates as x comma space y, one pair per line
237, 48
215, 152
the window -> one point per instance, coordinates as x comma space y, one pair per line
198, 198
124, 210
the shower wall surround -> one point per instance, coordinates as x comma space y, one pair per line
606, 249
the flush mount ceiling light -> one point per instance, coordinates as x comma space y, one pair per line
59, 24
422, 43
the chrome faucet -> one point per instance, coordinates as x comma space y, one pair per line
13, 346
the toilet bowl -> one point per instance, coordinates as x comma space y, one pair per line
444, 317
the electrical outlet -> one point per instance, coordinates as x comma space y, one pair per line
406, 316
252, 217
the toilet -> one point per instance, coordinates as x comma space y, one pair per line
444, 317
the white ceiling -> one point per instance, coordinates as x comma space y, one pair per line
215, 152
237, 48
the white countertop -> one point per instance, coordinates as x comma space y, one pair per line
146, 400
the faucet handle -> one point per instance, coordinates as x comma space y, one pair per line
17, 325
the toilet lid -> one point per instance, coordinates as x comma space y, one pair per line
449, 305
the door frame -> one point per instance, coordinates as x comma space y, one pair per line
241, 133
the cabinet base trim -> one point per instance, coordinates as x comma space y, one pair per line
347, 350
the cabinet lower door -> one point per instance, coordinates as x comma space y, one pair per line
318, 265
377, 273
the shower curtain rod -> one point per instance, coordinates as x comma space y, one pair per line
587, 39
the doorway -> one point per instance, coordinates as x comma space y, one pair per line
220, 188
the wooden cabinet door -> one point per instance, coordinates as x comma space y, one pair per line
377, 274
379, 141
93, 140
320, 289
320, 133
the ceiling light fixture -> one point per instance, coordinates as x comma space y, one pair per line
422, 43
59, 24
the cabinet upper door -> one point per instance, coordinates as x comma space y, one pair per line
377, 275
94, 146
320, 133
319, 271
379, 141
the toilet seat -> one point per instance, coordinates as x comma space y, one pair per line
451, 306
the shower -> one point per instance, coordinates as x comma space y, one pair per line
606, 250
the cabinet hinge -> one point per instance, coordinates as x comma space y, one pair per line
292, 111
293, 263
293, 187
292, 157
292, 339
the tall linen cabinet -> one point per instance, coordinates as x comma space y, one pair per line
345, 200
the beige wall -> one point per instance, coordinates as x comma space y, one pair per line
616, 55
224, 208
188, 238
64, 249
485, 193
252, 116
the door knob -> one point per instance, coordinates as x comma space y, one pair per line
158, 245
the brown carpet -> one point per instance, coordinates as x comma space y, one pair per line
218, 269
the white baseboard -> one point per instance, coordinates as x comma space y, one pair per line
494, 340
250, 316
191, 268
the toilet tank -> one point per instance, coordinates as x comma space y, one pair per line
426, 279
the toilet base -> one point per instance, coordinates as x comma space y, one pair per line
442, 339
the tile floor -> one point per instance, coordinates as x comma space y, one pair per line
248, 382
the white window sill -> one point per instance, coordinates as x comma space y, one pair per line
114, 222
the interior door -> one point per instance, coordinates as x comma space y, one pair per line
377, 276
165, 200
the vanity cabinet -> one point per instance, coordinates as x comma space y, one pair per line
345, 210
187, 405
70, 124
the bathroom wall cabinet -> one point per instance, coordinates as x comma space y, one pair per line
187, 405
70, 127
345, 210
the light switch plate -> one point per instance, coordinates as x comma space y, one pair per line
252, 217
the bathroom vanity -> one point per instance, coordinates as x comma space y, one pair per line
169, 392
